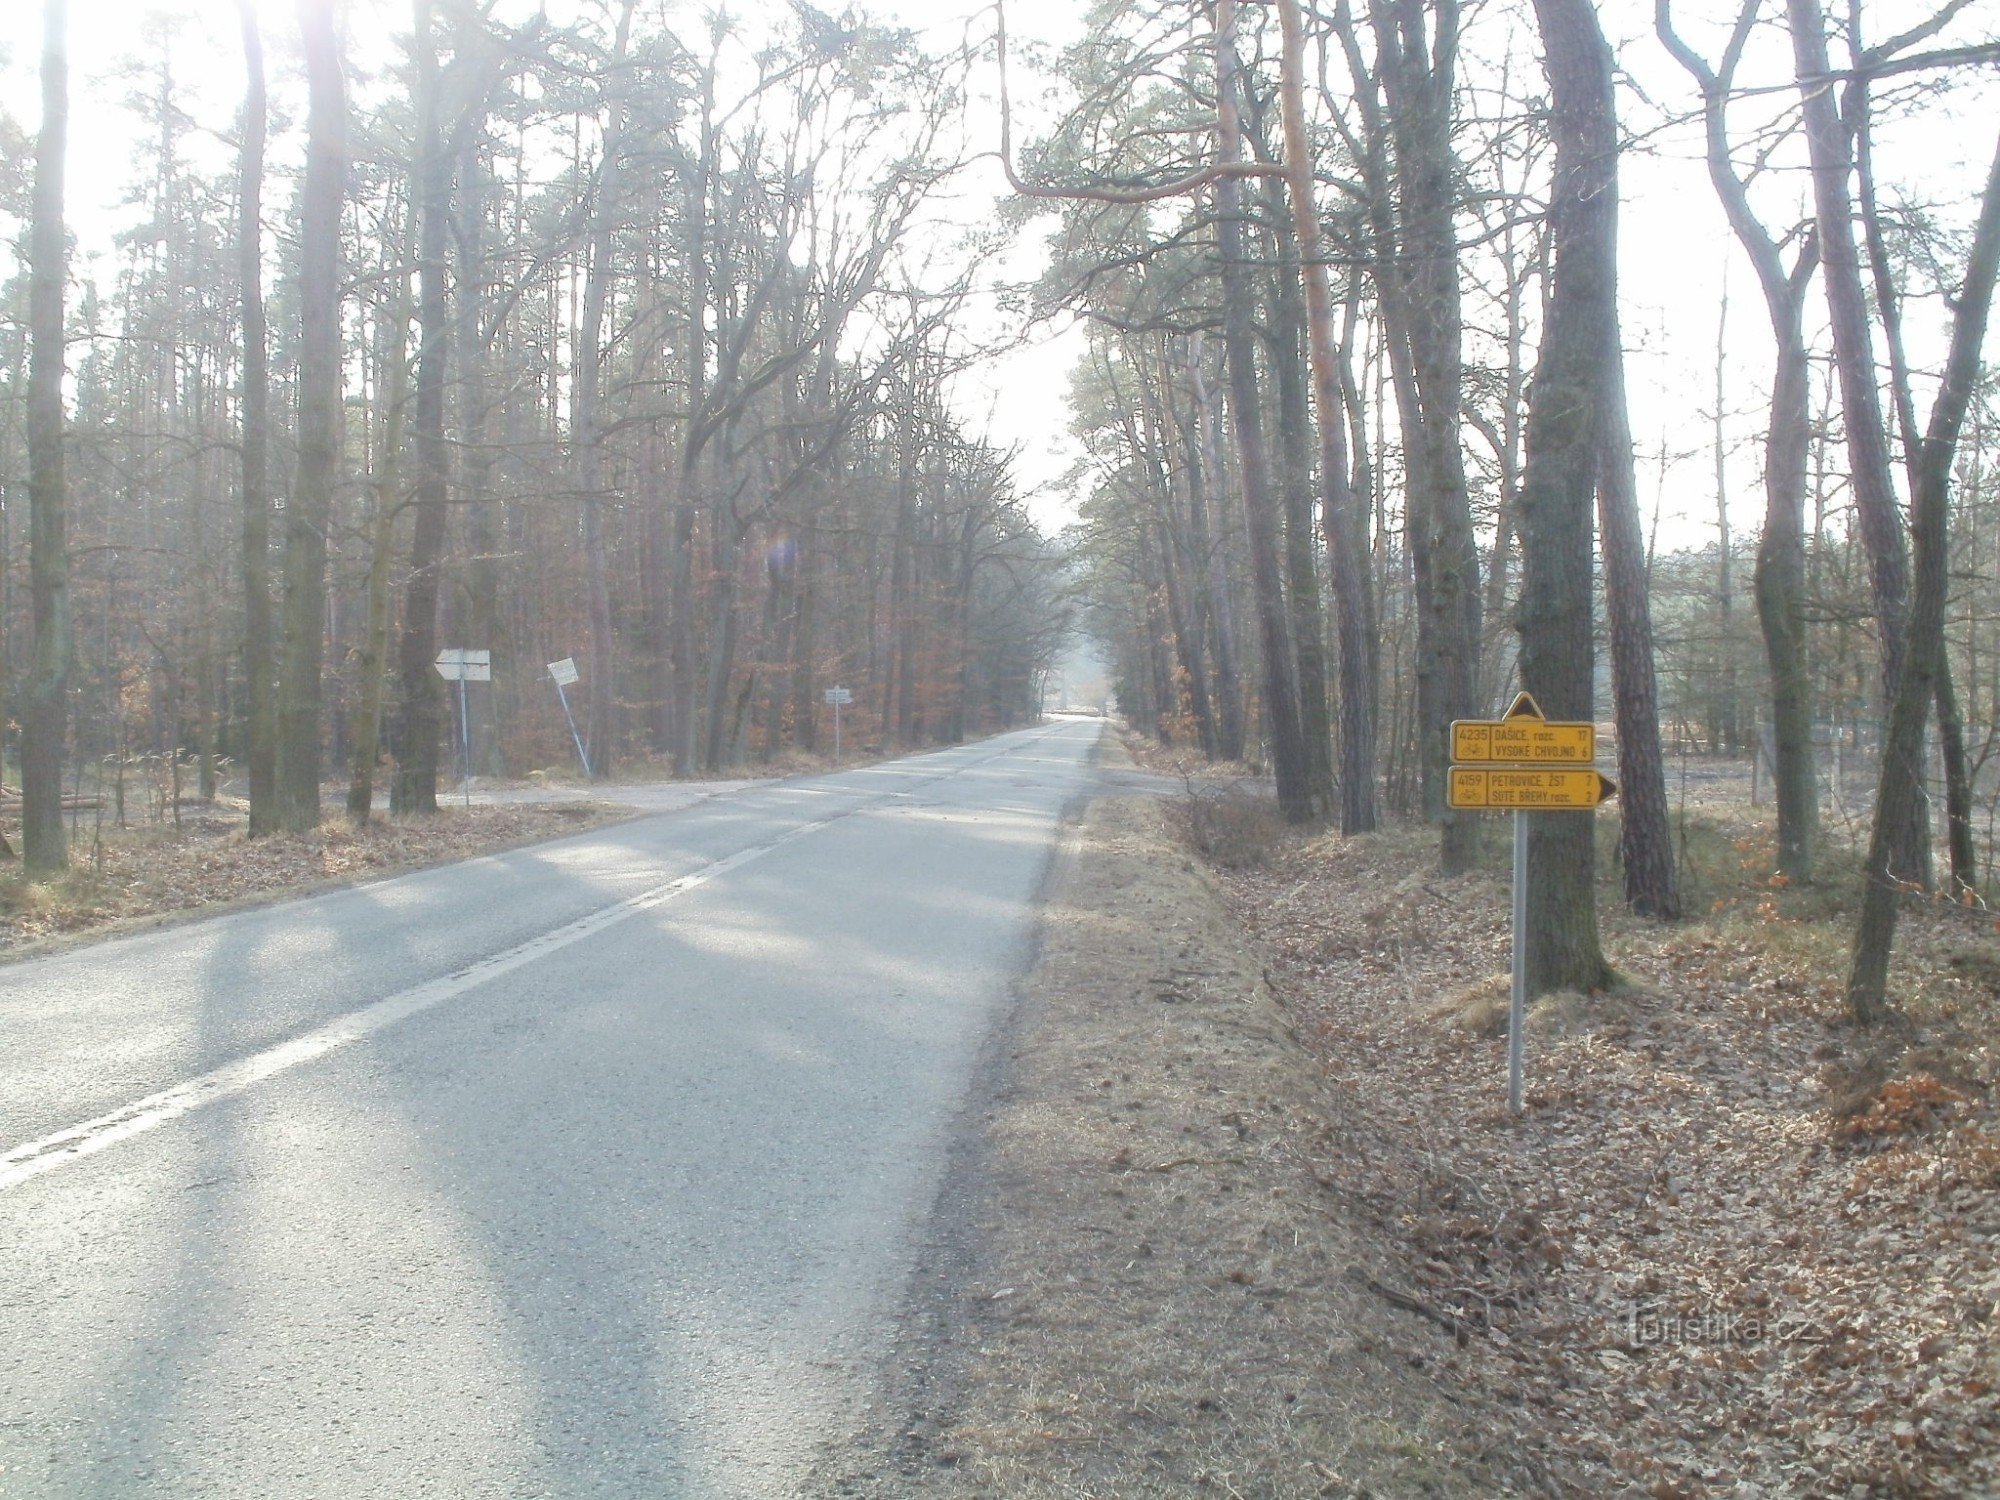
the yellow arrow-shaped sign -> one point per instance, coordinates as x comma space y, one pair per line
1527, 789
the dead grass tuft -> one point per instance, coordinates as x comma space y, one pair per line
1230, 826
1477, 1009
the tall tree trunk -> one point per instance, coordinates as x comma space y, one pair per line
592, 470
1564, 426
1780, 577
424, 714
258, 689
1902, 750
45, 696
805, 634
374, 666
681, 641
1645, 838
1780, 583
724, 626
1421, 303
482, 565
1184, 594
1205, 478
1288, 356
1829, 145
1727, 728
1951, 725
1341, 519
1281, 706
302, 646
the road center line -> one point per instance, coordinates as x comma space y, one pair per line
32, 1158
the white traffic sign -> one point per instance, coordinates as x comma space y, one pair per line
838, 695
563, 671
458, 665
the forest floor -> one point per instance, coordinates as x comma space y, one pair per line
1252, 1219
1737, 1246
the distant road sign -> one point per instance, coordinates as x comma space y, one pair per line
1523, 736
458, 665
1528, 789
838, 695
563, 671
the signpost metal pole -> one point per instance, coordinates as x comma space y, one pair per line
563, 673
1522, 761
571, 719
465, 739
1517, 1000
837, 697
461, 665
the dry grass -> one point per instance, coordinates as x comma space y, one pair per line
1230, 826
1166, 1302
1736, 1247
120, 877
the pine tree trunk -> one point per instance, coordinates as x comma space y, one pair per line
1345, 540
1281, 704
302, 646
1422, 305
1287, 345
592, 470
45, 695
261, 726
1204, 464
681, 641
420, 744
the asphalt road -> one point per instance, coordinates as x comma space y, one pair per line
592, 1169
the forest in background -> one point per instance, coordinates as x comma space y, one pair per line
626, 340
630, 335
1351, 274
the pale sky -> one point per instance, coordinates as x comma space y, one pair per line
1674, 243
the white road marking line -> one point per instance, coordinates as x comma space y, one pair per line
32, 1158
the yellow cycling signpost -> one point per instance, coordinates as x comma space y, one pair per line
1523, 762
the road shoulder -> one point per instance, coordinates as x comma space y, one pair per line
1139, 1287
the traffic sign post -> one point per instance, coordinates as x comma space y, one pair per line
456, 664
564, 672
1527, 764
838, 697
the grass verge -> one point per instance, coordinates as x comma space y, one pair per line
1163, 1299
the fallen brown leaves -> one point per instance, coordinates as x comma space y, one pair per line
1735, 1247
119, 876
